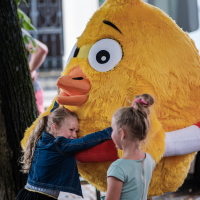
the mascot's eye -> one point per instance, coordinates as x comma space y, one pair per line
73, 52
105, 55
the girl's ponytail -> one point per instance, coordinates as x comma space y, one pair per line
141, 105
27, 158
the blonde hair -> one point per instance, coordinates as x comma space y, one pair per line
135, 118
57, 116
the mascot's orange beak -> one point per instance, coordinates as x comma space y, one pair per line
75, 88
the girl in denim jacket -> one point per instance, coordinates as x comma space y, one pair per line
49, 156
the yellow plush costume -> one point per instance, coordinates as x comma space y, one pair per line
159, 59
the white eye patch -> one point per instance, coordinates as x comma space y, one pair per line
72, 53
105, 55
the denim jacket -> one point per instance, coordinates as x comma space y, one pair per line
54, 164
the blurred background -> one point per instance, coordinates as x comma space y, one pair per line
60, 22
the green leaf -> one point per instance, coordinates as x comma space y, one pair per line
28, 26
32, 50
25, 2
25, 20
33, 41
23, 16
19, 13
27, 39
17, 1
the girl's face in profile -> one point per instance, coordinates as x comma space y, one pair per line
115, 134
68, 129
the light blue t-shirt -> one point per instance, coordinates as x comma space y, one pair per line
136, 176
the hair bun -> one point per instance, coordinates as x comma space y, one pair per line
145, 100
142, 104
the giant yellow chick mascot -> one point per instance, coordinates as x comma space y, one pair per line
129, 48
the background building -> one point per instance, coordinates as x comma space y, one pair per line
58, 24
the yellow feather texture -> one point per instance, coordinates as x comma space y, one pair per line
159, 59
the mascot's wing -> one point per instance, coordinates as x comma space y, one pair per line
30, 129
183, 141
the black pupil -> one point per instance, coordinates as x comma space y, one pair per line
102, 57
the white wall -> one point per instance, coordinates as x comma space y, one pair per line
76, 14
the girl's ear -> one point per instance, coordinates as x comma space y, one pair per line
54, 127
122, 133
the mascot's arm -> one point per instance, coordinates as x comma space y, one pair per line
183, 141
30, 129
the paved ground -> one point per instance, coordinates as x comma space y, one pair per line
89, 193
179, 196
188, 192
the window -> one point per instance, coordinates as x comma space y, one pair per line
184, 12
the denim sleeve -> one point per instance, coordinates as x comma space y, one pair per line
66, 146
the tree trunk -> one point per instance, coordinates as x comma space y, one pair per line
17, 100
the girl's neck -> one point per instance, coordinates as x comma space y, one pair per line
52, 133
132, 151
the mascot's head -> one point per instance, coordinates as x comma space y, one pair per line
130, 48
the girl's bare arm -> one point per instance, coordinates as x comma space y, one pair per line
114, 188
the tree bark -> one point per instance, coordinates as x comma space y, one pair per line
17, 100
